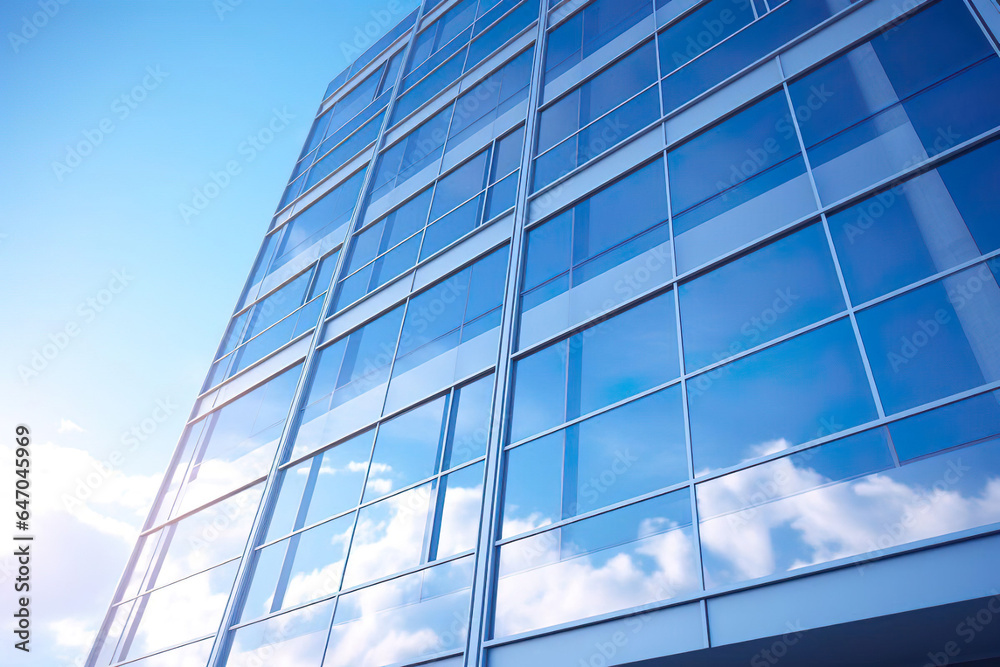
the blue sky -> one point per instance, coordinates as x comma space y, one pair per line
114, 115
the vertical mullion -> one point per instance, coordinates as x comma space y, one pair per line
220, 645
486, 551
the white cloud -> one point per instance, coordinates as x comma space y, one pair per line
73, 633
67, 426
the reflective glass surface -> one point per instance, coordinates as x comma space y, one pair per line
610, 361
620, 454
403, 619
737, 181
624, 558
799, 390
770, 292
920, 227
937, 340
817, 506
592, 257
893, 102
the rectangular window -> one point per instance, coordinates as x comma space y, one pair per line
588, 30
621, 559
743, 48
230, 447
348, 385
451, 331
799, 390
593, 257
935, 341
416, 615
773, 291
891, 103
597, 115
297, 636
736, 182
766, 520
923, 226
608, 362
420, 149
436, 64
479, 190
312, 233
620, 454
490, 99
700, 30
273, 321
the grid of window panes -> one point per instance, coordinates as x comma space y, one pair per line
734, 355
754, 376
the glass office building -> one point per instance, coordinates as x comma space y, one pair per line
593, 333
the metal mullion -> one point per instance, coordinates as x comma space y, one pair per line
161, 651
368, 584
220, 647
149, 591
203, 506
486, 551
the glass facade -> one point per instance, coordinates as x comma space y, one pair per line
580, 312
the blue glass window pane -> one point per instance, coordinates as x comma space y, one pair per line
629, 557
406, 449
461, 498
549, 250
763, 520
389, 536
507, 154
533, 492
736, 182
700, 30
794, 392
885, 106
960, 423
451, 227
427, 88
413, 616
336, 477
606, 19
470, 422
623, 356
501, 197
539, 391
480, 101
489, 275
284, 516
356, 356
395, 262
460, 184
936, 340
598, 221
435, 312
759, 297
922, 226
501, 32
297, 635
627, 452
762, 37
318, 561
562, 50
739, 148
